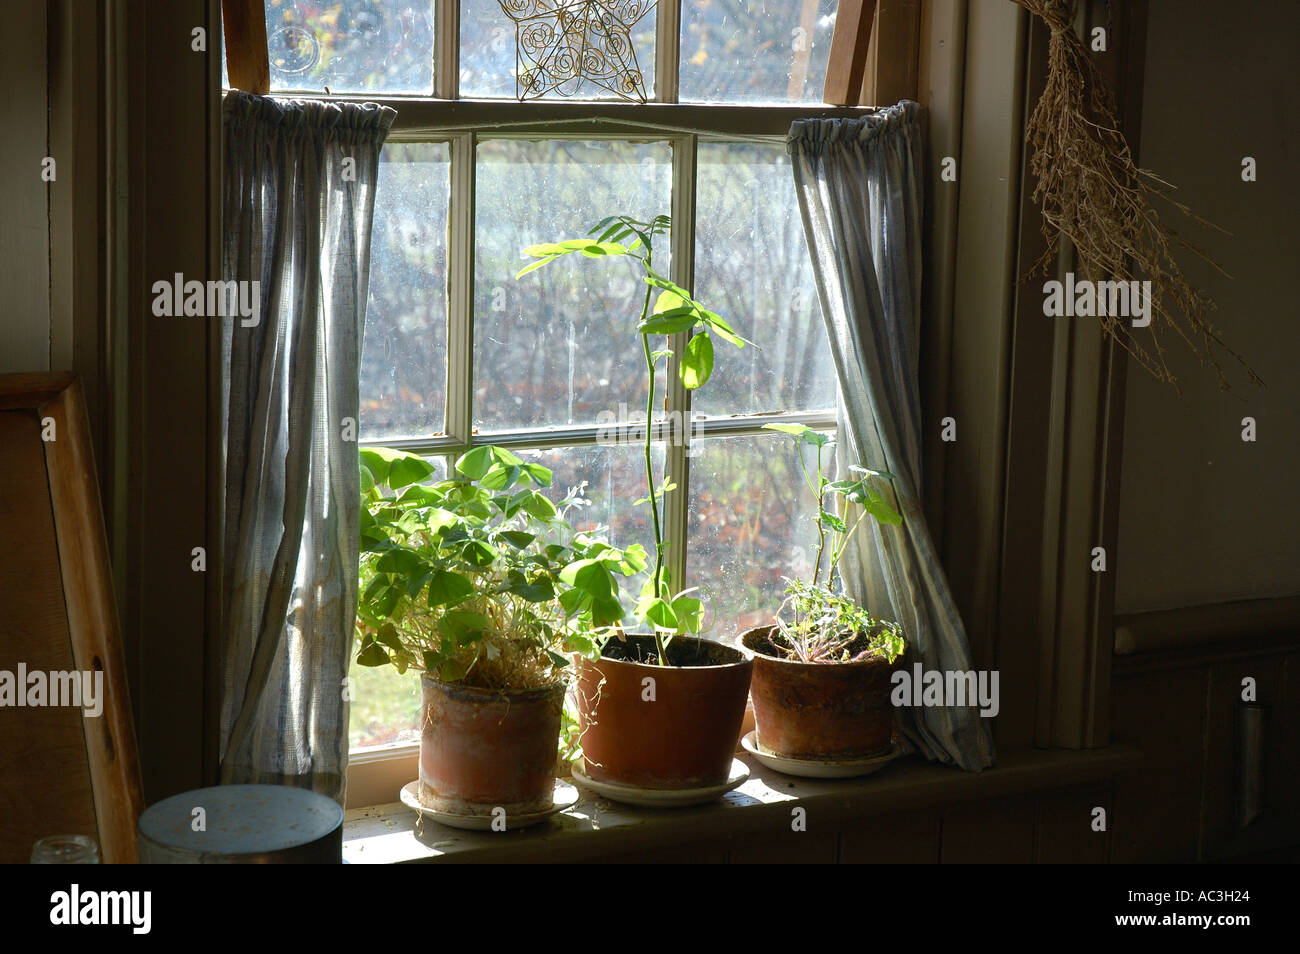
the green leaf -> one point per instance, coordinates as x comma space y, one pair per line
635, 558
658, 281
408, 469
724, 330
574, 601
419, 495
416, 582
477, 553
504, 456
669, 323
539, 506
669, 301
798, 430
697, 361
501, 477
560, 662
385, 600
535, 265
802, 433
540, 475
606, 611
475, 463
463, 626
398, 560
517, 538
833, 521
389, 636
372, 654
882, 511
447, 588
452, 670
592, 576
536, 592
375, 463
544, 249
395, 468
658, 613
688, 610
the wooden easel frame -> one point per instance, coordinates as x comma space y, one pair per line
82, 545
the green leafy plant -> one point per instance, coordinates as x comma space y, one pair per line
675, 315
818, 622
480, 578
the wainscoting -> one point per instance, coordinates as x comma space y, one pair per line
1177, 683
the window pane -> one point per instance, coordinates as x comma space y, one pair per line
752, 267
755, 51
614, 477
488, 50
385, 706
559, 345
751, 525
404, 359
351, 45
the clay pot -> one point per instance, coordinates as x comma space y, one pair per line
819, 711
678, 731
482, 749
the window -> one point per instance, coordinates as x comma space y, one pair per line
458, 352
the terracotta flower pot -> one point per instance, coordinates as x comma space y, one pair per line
677, 731
819, 711
482, 749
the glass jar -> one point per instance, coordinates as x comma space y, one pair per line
65, 850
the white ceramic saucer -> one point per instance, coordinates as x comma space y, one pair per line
565, 797
851, 768
658, 797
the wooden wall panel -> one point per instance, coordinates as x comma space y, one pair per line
998, 832
897, 840
1220, 834
1065, 826
1156, 815
787, 847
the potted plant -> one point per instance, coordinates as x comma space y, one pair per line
480, 583
822, 669
659, 710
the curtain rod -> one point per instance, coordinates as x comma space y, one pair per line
566, 121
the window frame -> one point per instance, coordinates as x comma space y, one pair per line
375, 772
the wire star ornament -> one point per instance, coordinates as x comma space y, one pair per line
561, 43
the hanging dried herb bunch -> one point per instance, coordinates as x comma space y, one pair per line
1091, 191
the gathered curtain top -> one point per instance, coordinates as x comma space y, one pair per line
813, 137
344, 122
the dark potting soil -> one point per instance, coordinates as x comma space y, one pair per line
682, 651
766, 646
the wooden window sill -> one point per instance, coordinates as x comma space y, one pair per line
595, 829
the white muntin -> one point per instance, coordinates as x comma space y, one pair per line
952, 688
1088, 299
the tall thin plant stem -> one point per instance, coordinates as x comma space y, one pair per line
656, 580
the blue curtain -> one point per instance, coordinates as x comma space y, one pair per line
859, 187
299, 195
